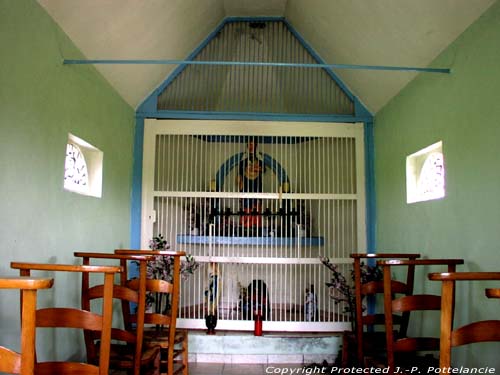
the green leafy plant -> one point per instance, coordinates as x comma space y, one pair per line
342, 290
162, 268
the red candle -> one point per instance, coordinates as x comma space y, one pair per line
258, 324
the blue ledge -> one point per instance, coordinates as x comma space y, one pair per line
256, 241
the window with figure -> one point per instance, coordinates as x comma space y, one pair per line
425, 174
76, 177
82, 167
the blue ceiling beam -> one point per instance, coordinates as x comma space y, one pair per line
261, 116
251, 63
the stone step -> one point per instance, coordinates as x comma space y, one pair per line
244, 347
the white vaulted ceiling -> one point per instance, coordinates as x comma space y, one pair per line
381, 32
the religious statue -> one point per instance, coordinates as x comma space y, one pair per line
212, 298
249, 180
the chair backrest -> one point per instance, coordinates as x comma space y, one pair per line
59, 317
161, 286
409, 303
479, 331
127, 296
372, 288
171, 289
24, 362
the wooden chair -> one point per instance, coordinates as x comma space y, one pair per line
173, 342
63, 317
127, 351
373, 342
480, 331
404, 346
24, 362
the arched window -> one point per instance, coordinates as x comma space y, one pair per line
82, 167
76, 176
431, 180
425, 174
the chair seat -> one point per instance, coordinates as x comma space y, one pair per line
155, 336
122, 355
374, 348
159, 337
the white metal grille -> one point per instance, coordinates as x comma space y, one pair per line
311, 205
264, 89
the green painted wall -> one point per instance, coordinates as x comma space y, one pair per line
463, 111
41, 101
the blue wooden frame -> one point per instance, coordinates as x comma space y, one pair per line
148, 109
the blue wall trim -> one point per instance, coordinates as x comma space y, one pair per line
153, 96
318, 59
135, 221
147, 107
254, 19
253, 116
359, 107
370, 187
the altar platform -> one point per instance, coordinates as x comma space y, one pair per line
272, 347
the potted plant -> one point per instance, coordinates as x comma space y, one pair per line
342, 290
162, 268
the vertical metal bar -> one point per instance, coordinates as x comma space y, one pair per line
263, 53
204, 80
239, 76
229, 94
222, 83
258, 80
247, 72
211, 92
190, 87
337, 190
236, 73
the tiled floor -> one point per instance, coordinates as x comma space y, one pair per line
235, 369
231, 369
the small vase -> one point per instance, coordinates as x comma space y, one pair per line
211, 323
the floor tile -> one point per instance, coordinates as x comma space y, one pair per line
206, 368
246, 369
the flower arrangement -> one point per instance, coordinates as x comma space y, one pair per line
342, 290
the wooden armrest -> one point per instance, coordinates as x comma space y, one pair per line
417, 262
11, 361
492, 292
25, 282
445, 276
150, 252
64, 267
384, 255
138, 258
